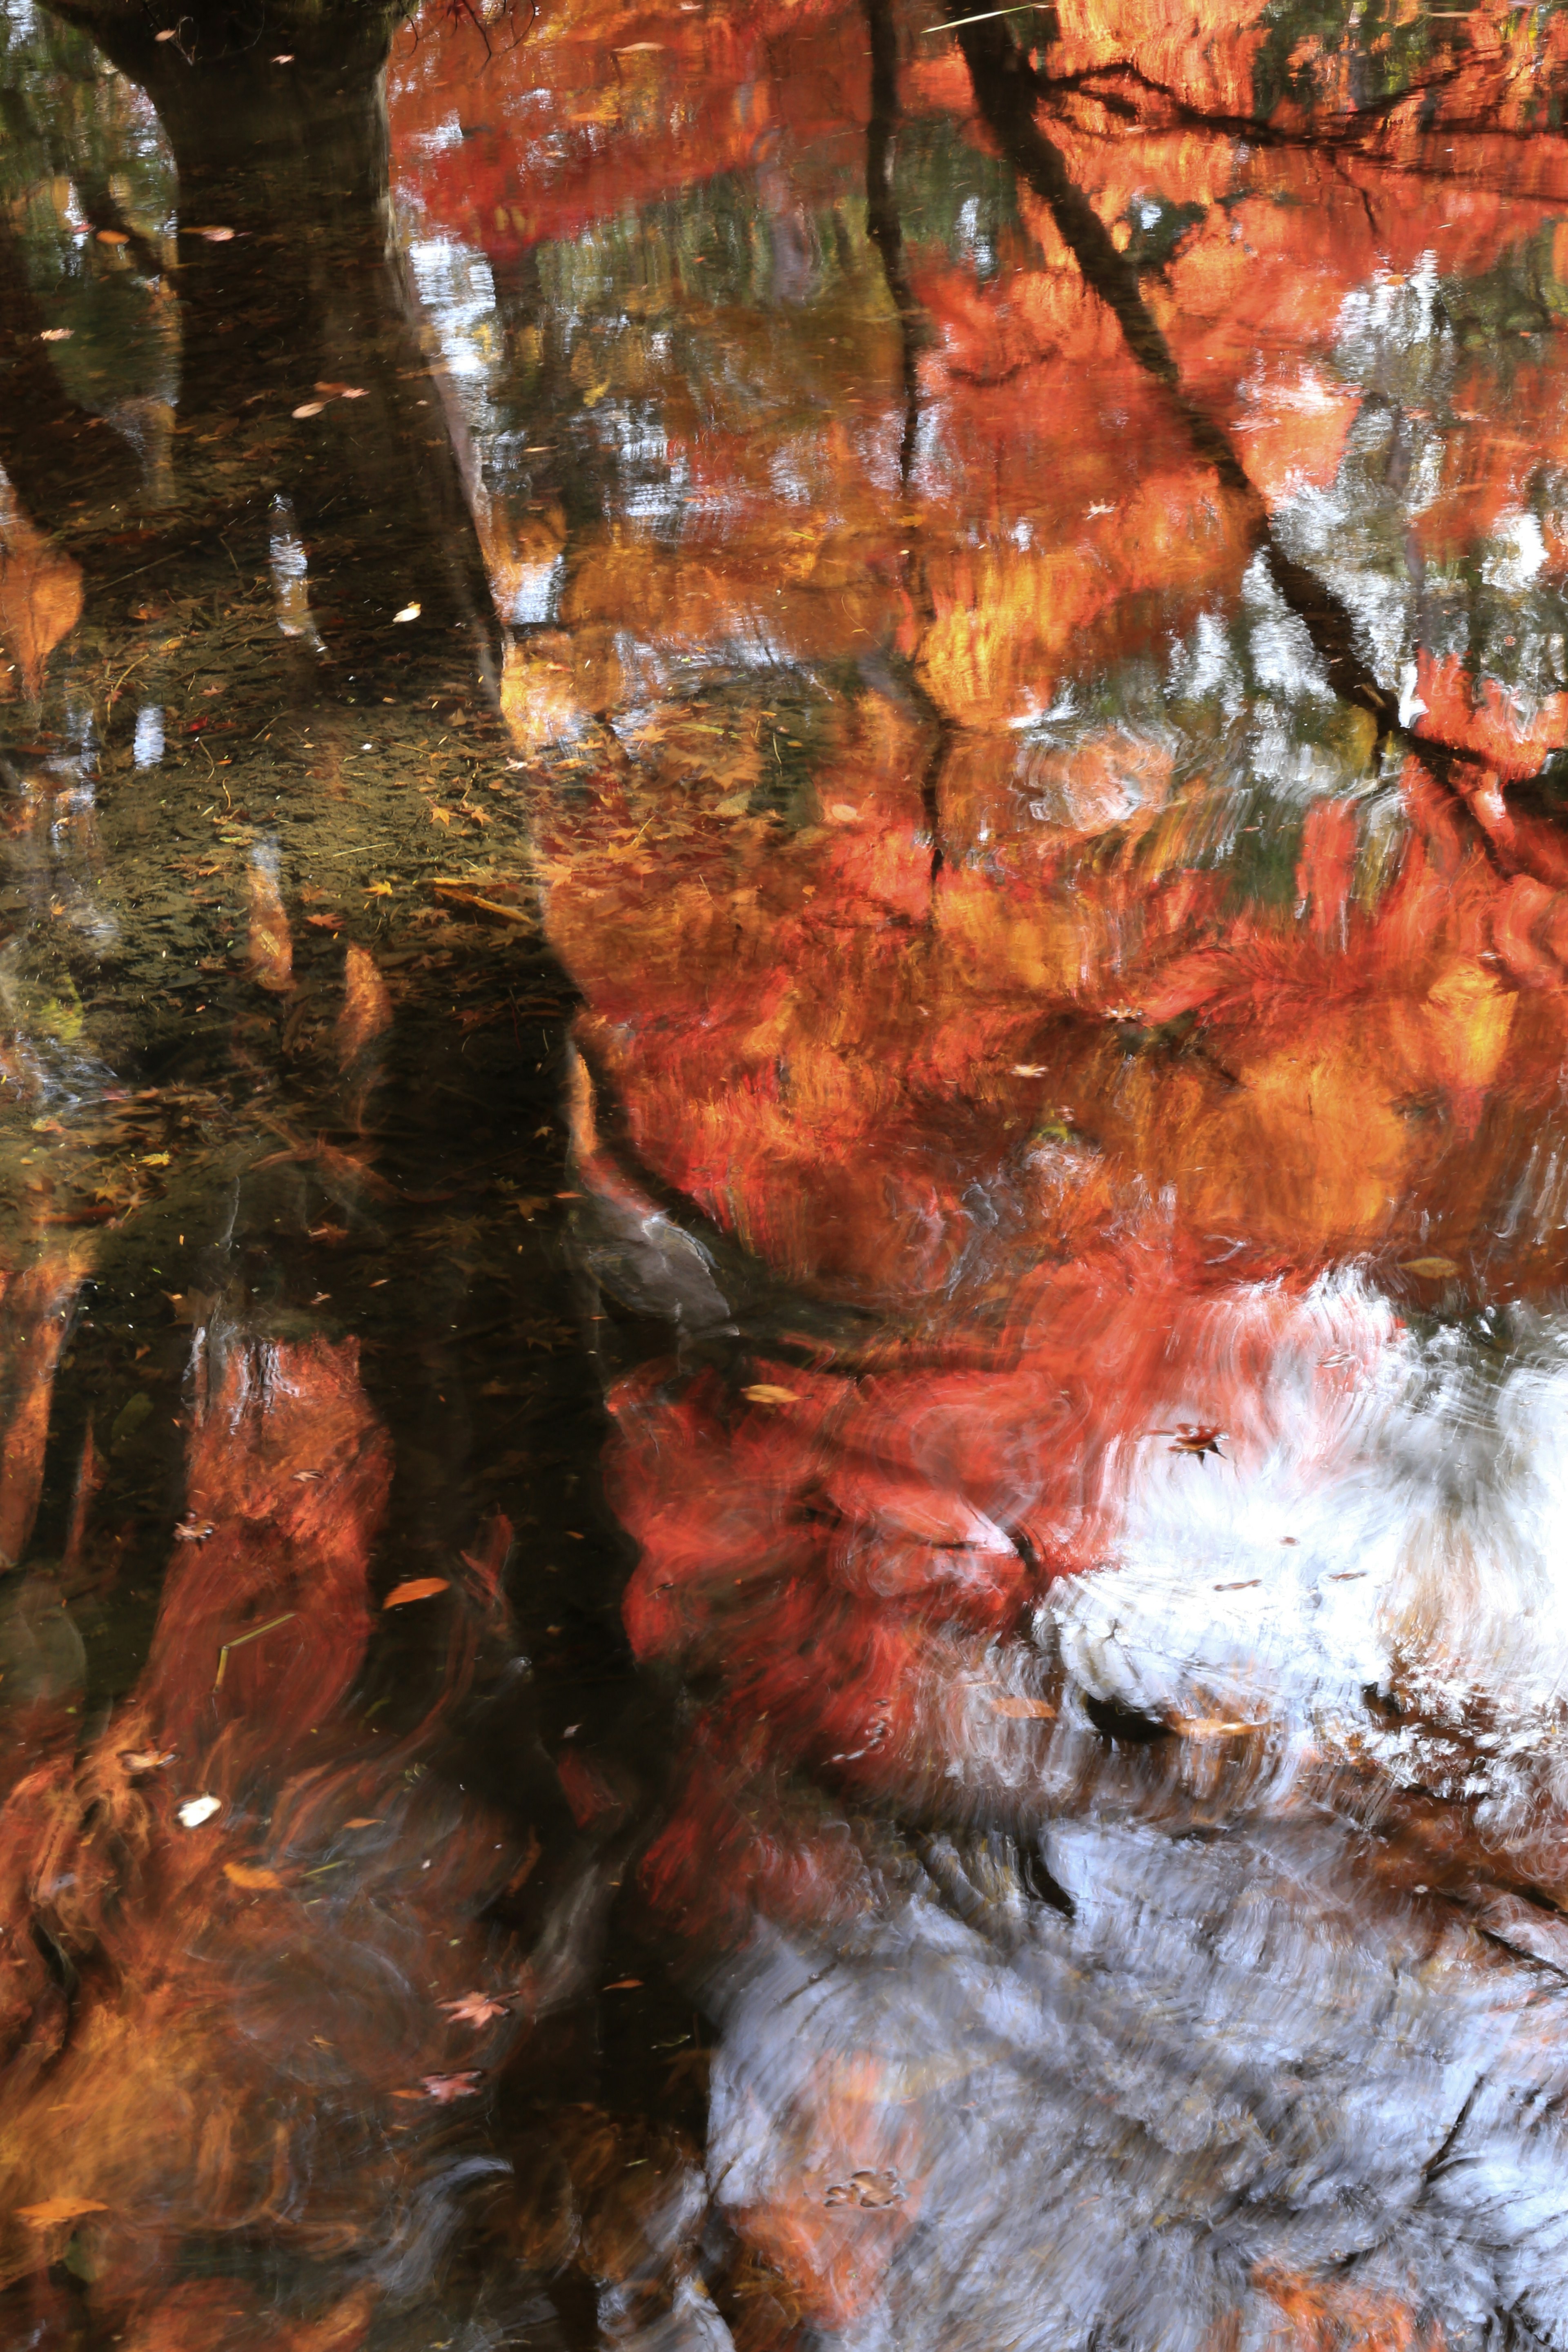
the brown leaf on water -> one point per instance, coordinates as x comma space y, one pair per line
326, 922
1020, 1709
53, 2210
446, 2087
764, 1393
112, 236
367, 1007
145, 1759
475, 2009
418, 1587
272, 947
1432, 1269
244, 1873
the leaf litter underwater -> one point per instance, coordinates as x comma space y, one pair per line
783, 1359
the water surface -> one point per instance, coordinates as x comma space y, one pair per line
783, 1156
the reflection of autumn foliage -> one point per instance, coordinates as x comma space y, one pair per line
897, 1083
744, 77
246, 1999
40, 596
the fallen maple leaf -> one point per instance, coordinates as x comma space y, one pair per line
44, 2216
242, 1875
446, 2087
418, 1587
475, 2009
378, 889
326, 922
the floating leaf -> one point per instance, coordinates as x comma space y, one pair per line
446, 2087
309, 408
378, 889
145, 1759
1022, 1710
474, 2008
764, 1393
197, 1810
1432, 1269
418, 1587
112, 237
625, 1984
57, 334
244, 1873
408, 612
155, 1159
1028, 1069
54, 2210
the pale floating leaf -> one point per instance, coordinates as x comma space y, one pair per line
197, 1810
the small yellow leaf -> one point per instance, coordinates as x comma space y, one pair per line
764, 1393
154, 1160
1433, 1268
1028, 1069
408, 612
112, 237
440, 817
378, 889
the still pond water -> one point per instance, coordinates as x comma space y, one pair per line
784, 1177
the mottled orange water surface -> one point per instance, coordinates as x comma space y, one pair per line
783, 1095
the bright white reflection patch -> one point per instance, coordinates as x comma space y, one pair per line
148, 746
